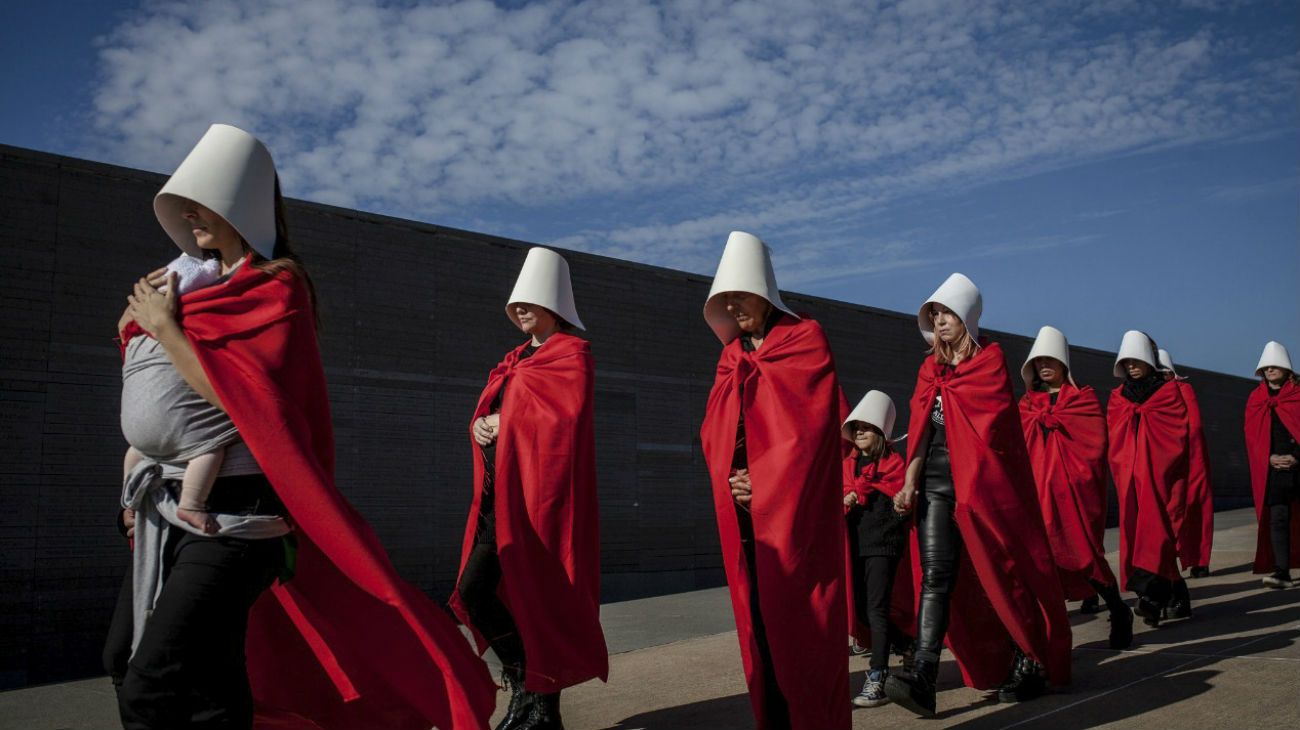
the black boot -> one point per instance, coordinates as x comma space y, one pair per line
918, 692
1025, 682
1201, 571
521, 700
545, 714
1121, 618
1090, 605
1181, 604
1150, 612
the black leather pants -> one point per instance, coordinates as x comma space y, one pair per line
940, 547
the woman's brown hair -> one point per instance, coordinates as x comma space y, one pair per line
877, 452
283, 257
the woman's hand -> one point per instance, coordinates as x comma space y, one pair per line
124, 320
905, 499
485, 429
850, 499
1282, 462
128, 521
150, 308
741, 490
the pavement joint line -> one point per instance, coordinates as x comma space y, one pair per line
1153, 675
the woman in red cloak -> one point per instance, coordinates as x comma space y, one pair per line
771, 439
1065, 432
529, 583
878, 534
1150, 429
197, 640
988, 585
1273, 451
1196, 542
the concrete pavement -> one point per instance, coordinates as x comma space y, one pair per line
675, 665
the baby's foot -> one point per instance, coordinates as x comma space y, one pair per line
199, 520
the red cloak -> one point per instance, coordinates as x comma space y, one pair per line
1007, 589
547, 518
885, 476
1259, 412
1067, 450
1197, 537
347, 643
792, 402
1149, 449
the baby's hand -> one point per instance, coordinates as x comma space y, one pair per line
199, 520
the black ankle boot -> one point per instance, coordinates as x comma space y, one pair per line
1150, 612
1090, 605
1025, 682
916, 693
545, 714
1121, 618
1201, 571
521, 700
1181, 604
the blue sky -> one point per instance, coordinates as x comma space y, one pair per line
1096, 165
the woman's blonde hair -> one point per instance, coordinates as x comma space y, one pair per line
964, 349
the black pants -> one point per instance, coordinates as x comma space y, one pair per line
778, 711
876, 573
478, 590
1279, 530
940, 546
189, 669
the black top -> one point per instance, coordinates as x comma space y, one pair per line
487, 503
1281, 441
1139, 390
875, 528
937, 475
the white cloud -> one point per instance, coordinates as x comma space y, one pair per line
782, 116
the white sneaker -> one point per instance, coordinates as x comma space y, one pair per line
873, 690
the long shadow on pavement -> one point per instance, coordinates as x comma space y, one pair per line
1167, 675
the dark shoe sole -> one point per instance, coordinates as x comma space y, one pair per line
1010, 698
900, 693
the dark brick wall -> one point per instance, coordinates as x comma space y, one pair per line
413, 319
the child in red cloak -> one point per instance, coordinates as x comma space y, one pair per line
771, 439
529, 583
1065, 433
878, 536
1273, 452
987, 582
1150, 431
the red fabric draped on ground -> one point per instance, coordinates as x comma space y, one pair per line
1197, 537
792, 405
1259, 413
886, 477
547, 518
1007, 589
346, 644
1067, 450
1149, 449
